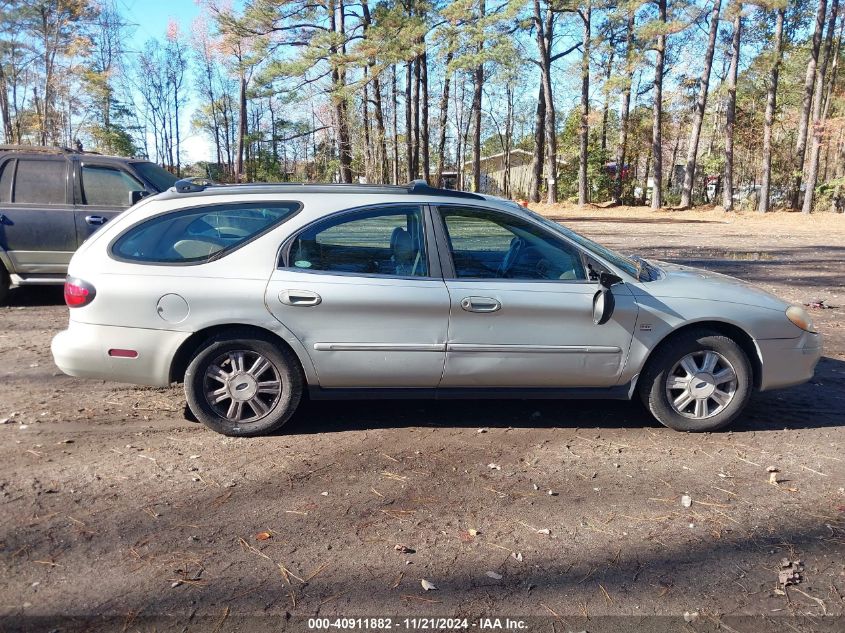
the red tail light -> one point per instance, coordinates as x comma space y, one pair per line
78, 293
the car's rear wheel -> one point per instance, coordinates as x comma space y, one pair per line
243, 384
697, 381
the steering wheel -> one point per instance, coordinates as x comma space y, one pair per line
511, 257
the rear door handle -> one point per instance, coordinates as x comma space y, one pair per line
302, 298
480, 304
95, 220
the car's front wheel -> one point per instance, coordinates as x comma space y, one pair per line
243, 384
697, 381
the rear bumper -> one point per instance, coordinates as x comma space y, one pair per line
787, 362
83, 351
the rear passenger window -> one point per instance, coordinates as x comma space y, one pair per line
381, 242
107, 186
200, 235
7, 170
41, 182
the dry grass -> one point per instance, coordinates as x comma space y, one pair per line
793, 221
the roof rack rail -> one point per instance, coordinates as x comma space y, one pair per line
418, 187
422, 188
43, 149
192, 185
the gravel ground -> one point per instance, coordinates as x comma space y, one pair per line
118, 514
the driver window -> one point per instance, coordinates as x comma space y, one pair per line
490, 245
107, 186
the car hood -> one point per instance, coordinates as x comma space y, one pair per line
696, 283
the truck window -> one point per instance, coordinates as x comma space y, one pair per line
7, 170
40, 182
107, 186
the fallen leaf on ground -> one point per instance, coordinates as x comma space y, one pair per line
428, 585
263, 536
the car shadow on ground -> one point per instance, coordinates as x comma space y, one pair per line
35, 296
816, 404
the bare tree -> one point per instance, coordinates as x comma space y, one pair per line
622, 146
818, 119
730, 112
657, 117
700, 106
763, 202
806, 106
584, 131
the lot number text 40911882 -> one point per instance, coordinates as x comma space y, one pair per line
416, 624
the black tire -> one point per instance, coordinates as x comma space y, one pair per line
279, 407
664, 364
5, 282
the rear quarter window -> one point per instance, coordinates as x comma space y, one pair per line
198, 235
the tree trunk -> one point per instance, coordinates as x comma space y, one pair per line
365, 120
380, 142
806, 107
584, 131
409, 121
606, 107
700, 107
831, 87
508, 138
339, 72
622, 148
395, 130
380, 132
424, 149
730, 113
415, 109
539, 148
478, 86
656, 134
763, 202
239, 165
544, 44
444, 118
4, 108
818, 119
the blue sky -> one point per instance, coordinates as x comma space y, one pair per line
150, 19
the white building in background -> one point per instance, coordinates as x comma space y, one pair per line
495, 167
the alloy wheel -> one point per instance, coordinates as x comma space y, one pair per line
242, 386
701, 384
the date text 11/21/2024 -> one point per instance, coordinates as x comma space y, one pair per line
416, 624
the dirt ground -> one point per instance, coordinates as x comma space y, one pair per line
118, 514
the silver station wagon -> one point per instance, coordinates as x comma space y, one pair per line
253, 295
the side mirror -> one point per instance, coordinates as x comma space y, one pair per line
603, 301
136, 196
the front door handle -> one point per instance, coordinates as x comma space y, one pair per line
302, 298
480, 304
95, 220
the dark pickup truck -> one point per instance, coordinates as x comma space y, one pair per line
52, 199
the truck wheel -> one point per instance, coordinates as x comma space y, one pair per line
5, 282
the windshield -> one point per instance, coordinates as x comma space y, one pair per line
630, 266
160, 178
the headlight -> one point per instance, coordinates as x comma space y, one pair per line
799, 317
